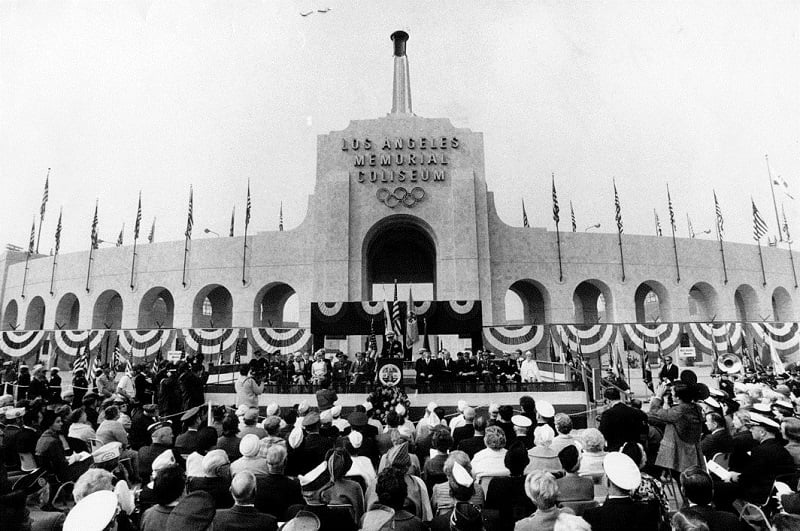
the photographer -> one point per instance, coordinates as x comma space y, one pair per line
251, 387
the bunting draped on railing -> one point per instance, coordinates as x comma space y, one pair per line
784, 338
727, 337
284, 339
645, 338
145, 343
208, 340
19, 344
506, 338
70, 342
591, 338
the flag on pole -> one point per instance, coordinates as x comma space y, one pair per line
117, 358
780, 181
572, 215
785, 225
249, 206
152, 236
396, 326
426, 340
412, 334
233, 220
372, 342
720, 221
620, 365
617, 209
658, 223
777, 363
46, 194
556, 210
671, 211
157, 360
524, 215
759, 227
689, 223
280, 218
190, 216
80, 361
121, 234
138, 224
58, 232
32, 242
129, 369
95, 238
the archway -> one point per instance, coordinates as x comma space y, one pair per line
107, 311
34, 317
68, 312
746, 302
652, 302
527, 302
782, 309
11, 315
213, 307
276, 306
156, 309
702, 302
593, 302
399, 248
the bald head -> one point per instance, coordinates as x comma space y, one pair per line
469, 413
243, 487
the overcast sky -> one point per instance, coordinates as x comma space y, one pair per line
121, 96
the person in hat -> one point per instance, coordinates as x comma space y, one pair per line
465, 517
506, 495
542, 489
187, 441
790, 429
680, 445
650, 489
12, 430
620, 511
342, 490
313, 485
313, 447
338, 421
389, 511
361, 469
522, 424
206, 440
215, 479
326, 397
359, 422
542, 457
458, 486
392, 347
161, 441
244, 515
341, 369
23, 382
140, 420
54, 386
194, 512
95, 512
416, 491
35, 488
80, 386
250, 424
276, 491
249, 447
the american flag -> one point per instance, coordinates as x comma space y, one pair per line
372, 342
81, 361
720, 222
412, 333
46, 194
233, 221
280, 218
117, 357
785, 225
617, 209
129, 369
689, 223
759, 227
121, 236
658, 223
58, 232
572, 214
556, 210
241, 349
524, 215
396, 326
249, 206
95, 238
190, 217
671, 211
32, 242
152, 236
156, 360
138, 224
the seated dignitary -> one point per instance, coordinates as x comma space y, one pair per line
243, 515
620, 511
167, 490
542, 489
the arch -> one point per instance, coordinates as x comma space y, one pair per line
34, 317
68, 312
746, 302
593, 302
156, 309
399, 247
11, 315
531, 299
213, 307
274, 304
782, 308
652, 302
107, 311
702, 302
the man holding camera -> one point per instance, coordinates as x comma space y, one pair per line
250, 388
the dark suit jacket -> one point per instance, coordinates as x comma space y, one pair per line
573, 487
425, 369
713, 443
623, 514
239, 518
767, 461
187, 442
720, 520
472, 446
669, 374
216, 487
275, 493
622, 423
506, 496
463, 432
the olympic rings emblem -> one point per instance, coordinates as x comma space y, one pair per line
400, 195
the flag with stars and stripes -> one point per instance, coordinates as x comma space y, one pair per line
396, 326
46, 194
138, 224
157, 360
572, 215
689, 223
524, 215
280, 218
81, 361
556, 210
95, 238
249, 206
671, 210
117, 356
121, 235
58, 232
190, 215
32, 242
617, 209
233, 220
152, 236
720, 221
658, 223
759, 227
785, 225
372, 342
129, 369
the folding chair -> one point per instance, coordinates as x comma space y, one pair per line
95, 444
579, 506
754, 516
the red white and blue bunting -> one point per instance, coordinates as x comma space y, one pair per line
586, 339
279, 339
70, 342
507, 338
784, 338
20, 344
145, 343
727, 337
645, 338
208, 340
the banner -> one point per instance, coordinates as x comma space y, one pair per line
784, 338
145, 343
21, 344
279, 339
591, 338
644, 338
725, 336
506, 338
208, 341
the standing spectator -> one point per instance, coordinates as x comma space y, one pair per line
143, 386
23, 382
191, 384
55, 386
680, 447
250, 388
125, 386
621, 423
39, 387
80, 386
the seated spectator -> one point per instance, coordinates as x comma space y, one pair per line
573, 487
362, 467
650, 488
506, 495
193, 511
542, 489
443, 497
215, 478
790, 428
542, 457
206, 439
50, 450
433, 471
161, 437
243, 514
718, 439
570, 522
36, 491
147, 496
343, 491
564, 436
92, 480
313, 484
698, 489
100, 508
417, 499
593, 453
272, 425
167, 489
400, 437
249, 447
276, 491
389, 512
465, 517
491, 460
250, 420
111, 429
229, 440
688, 519
79, 427
474, 444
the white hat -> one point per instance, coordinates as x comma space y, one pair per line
461, 475
621, 470
248, 446
242, 409
92, 513
213, 460
326, 417
107, 452
712, 402
15, 413
545, 409
494, 407
764, 421
431, 407
522, 421
6, 400
400, 409
406, 431
762, 408
313, 474
303, 408
127, 501
296, 437
165, 459
336, 411
355, 438
272, 409
368, 405
461, 405
716, 392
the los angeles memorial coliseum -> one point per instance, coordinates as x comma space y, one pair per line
400, 198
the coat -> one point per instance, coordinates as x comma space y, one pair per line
680, 446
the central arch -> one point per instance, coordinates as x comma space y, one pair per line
275, 306
401, 248
593, 302
213, 307
527, 302
107, 311
652, 302
68, 312
157, 308
745, 300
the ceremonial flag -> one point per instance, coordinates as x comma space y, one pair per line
572, 214
95, 238
117, 357
46, 194
152, 236
138, 224
644, 359
190, 216
129, 369
412, 334
249, 206
121, 233
233, 220
556, 210
156, 360
372, 342
80, 361
715, 368
280, 218
617, 209
32, 242
785, 186
58, 232
785, 226
396, 326
524, 215
777, 363
759, 227
658, 223
689, 223
671, 211
720, 221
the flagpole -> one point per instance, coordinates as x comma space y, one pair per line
791, 260
44, 203
774, 203
244, 256
185, 255
558, 232
619, 230
761, 260
188, 234
133, 261
719, 237
674, 242
25, 275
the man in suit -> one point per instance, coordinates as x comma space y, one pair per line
573, 487
243, 516
447, 367
718, 440
392, 348
698, 489
474, 444
188, 441
620, 512
669, 371
621, 423
467, 430
426, 368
